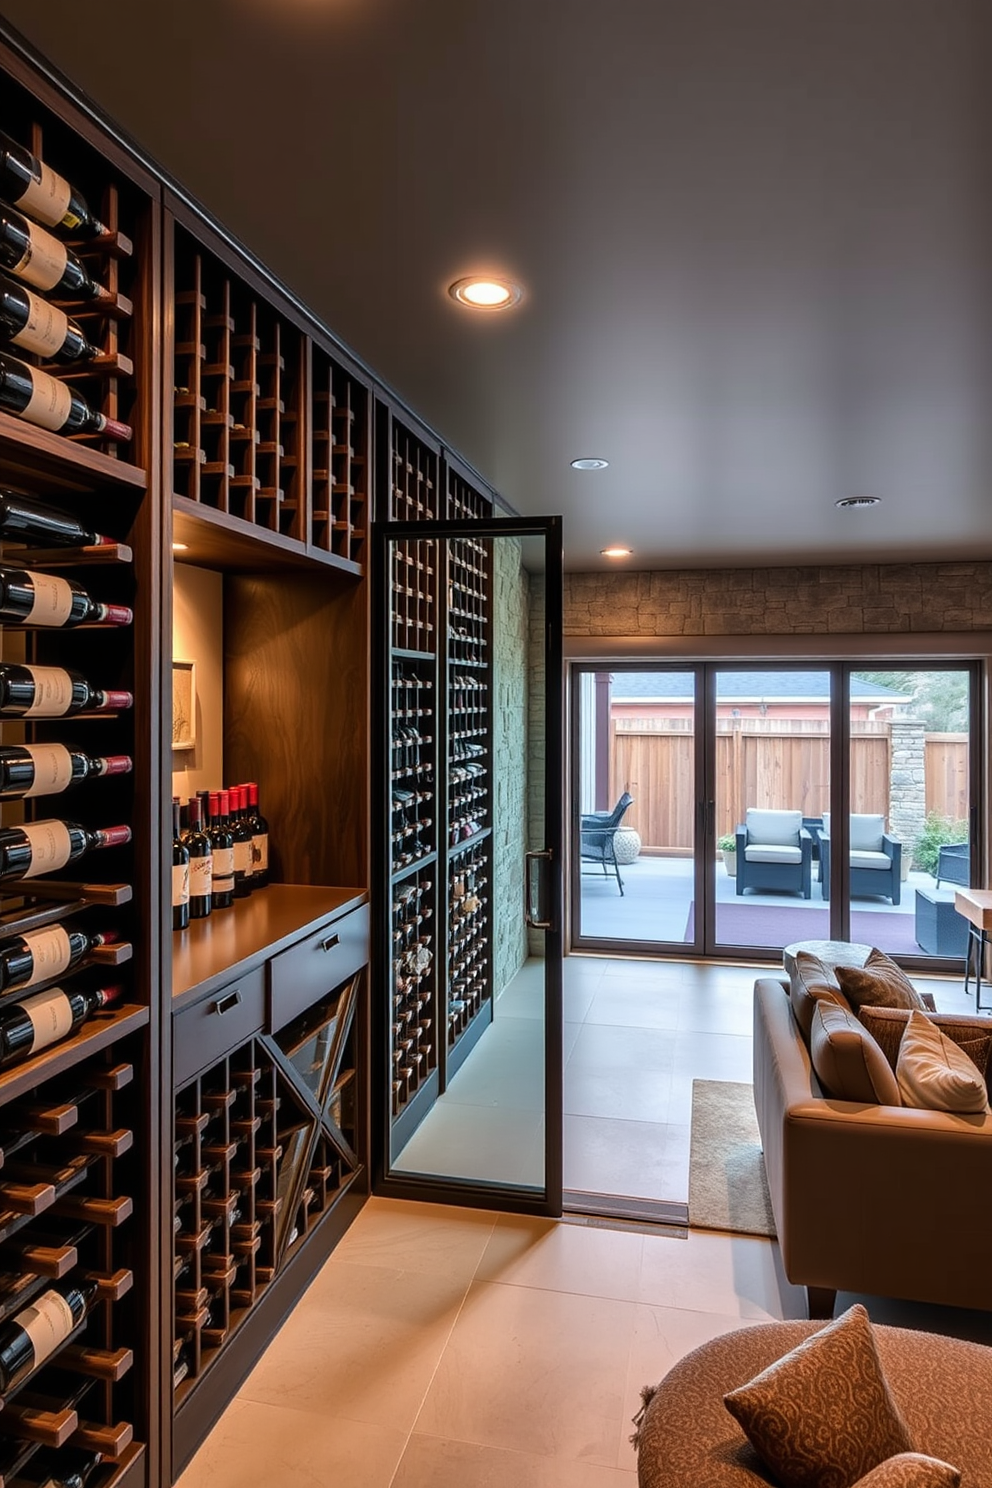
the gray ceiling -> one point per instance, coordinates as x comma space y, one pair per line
755, 238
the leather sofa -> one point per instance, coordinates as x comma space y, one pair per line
887, 1200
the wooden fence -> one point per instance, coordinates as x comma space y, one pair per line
769, 763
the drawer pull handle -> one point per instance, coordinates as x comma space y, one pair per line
227, 1004
330, 942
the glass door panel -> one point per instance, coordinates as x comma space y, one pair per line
636, 743
471, 760
771, 772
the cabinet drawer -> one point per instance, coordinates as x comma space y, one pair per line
205, 1033
318, 964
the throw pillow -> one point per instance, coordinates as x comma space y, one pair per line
808, 984
887, 1026
848, 1063
911, 1470
822, 1416
879, 983
934, 1073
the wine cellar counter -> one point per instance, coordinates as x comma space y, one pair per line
189, 1038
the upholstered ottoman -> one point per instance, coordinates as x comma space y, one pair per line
688, 1439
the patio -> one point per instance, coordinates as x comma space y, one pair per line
657, 905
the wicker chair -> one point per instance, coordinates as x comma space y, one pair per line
597, 830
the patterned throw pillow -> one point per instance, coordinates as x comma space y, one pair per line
848, 1063
810, 982
911, 1470
973, 1035
879, 983
822, 1416
932, 1072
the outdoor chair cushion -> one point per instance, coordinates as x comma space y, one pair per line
773, 854
865, 832
773, 828
864, 859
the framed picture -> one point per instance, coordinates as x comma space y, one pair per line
183, 705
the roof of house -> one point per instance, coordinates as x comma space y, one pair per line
747, 687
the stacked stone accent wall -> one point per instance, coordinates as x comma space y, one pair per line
510, 759
871, 598
536, 754
907, 781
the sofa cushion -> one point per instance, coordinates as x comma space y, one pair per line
773, 828
848, 1063
865, 833
911, 1470
773, 854
809, 981
933, 1072
879, 983
822, 1416
973, 1035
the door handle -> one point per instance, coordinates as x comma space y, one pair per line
536, 865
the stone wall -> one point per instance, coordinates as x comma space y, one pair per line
537, 693
907, 781
510, 759
871, 598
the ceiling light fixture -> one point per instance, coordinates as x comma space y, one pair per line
589, 462
480, 292
615, 552
857, 503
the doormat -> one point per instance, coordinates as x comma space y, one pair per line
728, 1189
781, 925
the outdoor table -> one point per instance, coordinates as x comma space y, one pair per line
976, 906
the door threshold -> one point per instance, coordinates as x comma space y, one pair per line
617, 1206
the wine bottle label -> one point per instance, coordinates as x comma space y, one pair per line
52, 602
180, 884
50, 402
242, 857
51, 952
51, 846
200, 876
47, 199
44, 259
260, 852
52, 692
48, 1323
52, 766
45, 328
50, 1015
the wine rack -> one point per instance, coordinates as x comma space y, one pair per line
469, 940
339, 433
267, 1140
111, 382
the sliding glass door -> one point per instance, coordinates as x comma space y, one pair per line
733, 810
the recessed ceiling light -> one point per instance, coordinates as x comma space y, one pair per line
857, 503
178, 547
589, 462
480, 292
615, 552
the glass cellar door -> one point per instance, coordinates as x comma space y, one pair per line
469, 942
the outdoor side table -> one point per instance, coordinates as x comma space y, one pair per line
940, 929
976, 906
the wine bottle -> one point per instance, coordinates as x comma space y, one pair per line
63, 1467
34, 1334
48, 599
241, 832
43, 193
28, 321
53, 692
45, 846
259, 839
22, 519
180, 873
46, 1018
29, 393
222, 848
200, 851
48, 769
26, 960
32, 254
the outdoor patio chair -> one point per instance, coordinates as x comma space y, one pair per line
774, 852
954, 864
876, 858
597, 829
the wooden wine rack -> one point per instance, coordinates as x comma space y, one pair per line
339, 432
469, 980
267, 1142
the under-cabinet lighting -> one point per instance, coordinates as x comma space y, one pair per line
615, 552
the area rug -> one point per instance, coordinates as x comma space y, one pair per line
727, 1185
774, 925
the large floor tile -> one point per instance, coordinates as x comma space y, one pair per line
636, 1159
435, 1238
603, 1047
433, 1462
533, 1371
505, 1069
616, 1002
629, 1094
363, 1345
254, 1443
735, 1275
554, 1255
490, 1143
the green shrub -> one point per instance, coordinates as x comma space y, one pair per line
727, 843
938, 831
